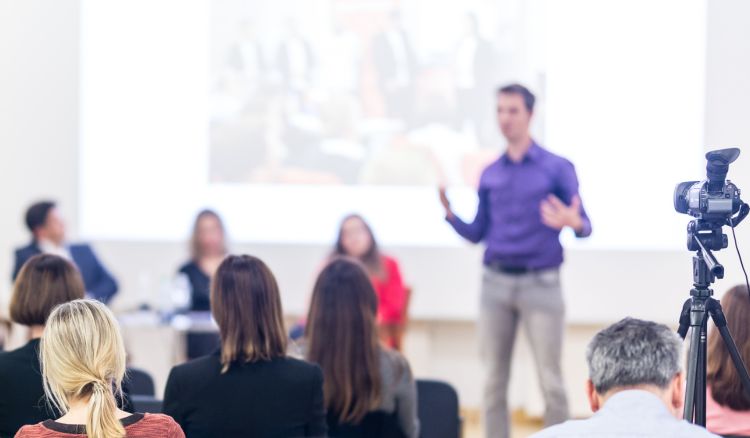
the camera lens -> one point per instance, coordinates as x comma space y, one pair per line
681, 196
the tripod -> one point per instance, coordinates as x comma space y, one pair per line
694, 315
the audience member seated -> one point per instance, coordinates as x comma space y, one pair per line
208, 248
44, 282
249, 387
369, 389
48, 236
83, 364
635, 385
356, 239
727, 404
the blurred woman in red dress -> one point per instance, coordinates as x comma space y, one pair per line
356, 240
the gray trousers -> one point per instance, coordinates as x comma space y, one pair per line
535, 300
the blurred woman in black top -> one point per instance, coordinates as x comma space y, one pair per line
208, 248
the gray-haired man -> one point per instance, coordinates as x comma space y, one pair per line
635, 385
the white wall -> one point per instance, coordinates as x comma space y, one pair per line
38, 114
38, 158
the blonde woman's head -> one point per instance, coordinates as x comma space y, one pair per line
83, 360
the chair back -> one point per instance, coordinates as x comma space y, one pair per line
438, 409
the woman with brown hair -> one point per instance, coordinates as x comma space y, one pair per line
356, 240
727, 405
44, 282
249, 387
369, 390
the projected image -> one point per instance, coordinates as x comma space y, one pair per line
286, 115
360, 93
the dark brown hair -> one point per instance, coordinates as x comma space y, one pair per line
44, 282
528, 97
246, 304
195, 250
723, 378
372, 259
343, 339
36, 215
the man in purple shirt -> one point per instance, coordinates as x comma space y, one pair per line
525, 199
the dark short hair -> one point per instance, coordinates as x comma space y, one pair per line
44, 282
36, 215
528, 97
246, 304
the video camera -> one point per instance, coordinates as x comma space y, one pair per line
713, 202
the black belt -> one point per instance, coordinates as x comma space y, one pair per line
512, 270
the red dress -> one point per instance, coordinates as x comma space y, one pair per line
391, 293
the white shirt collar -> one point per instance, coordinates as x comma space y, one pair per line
48, 247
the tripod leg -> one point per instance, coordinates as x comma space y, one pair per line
692, 368
700, 377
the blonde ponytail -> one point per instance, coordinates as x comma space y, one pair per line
102, 420
83, 358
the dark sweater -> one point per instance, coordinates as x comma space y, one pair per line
22, 398
278, 398
199, 286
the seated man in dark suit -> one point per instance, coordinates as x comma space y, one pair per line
48, 236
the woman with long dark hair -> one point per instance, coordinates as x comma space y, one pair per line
249, 387
369, 390
727, 404
356, 240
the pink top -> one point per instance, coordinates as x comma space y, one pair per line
722, 420
391, 293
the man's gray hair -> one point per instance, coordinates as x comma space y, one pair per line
633, 352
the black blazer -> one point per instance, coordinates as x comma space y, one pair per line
98, 281
22, 399
282, 398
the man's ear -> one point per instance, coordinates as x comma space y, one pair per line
678, 392
594, 400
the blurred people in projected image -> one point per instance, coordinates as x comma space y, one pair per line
369, 390
395, 66
48, 236
727, 404
474, 78
295, 60
208, 247
356, 240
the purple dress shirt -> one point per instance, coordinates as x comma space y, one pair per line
508, 218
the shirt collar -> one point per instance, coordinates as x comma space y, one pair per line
48, 247
635, 402
532, 154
